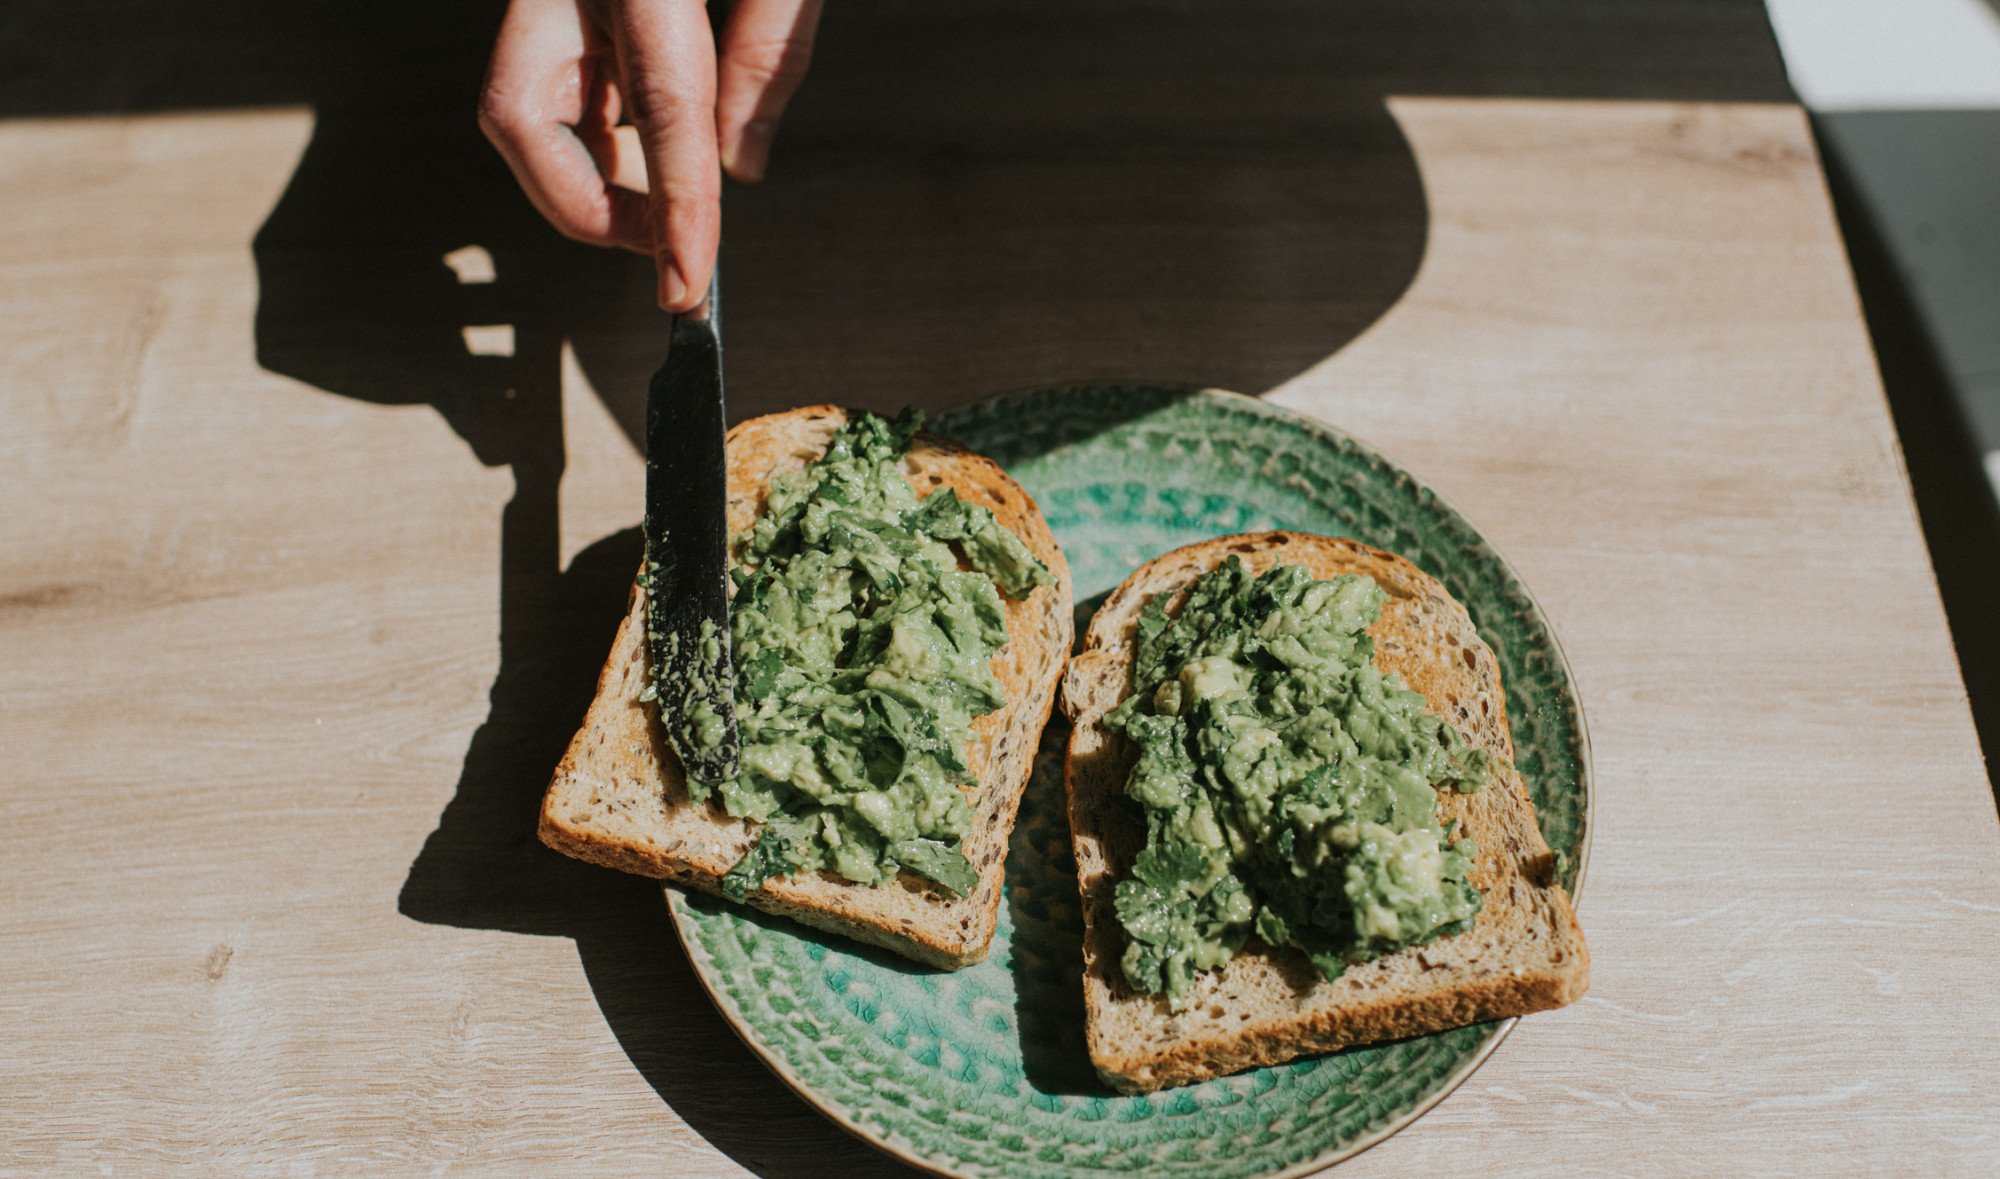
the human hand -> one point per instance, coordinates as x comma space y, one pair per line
618, 117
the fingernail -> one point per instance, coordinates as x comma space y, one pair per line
753, 150
673, 288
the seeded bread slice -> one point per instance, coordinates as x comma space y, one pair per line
1524, 953
619, 798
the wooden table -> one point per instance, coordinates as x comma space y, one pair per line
299, 598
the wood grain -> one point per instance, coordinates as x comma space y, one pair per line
298, 602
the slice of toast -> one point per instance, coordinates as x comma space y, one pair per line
1524, 953
619, 799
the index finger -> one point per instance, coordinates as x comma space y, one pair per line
667, 54
534, 109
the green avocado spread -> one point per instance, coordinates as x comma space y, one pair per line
1289, 787
863, 652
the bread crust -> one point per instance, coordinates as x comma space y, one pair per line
1525, 951
619, 798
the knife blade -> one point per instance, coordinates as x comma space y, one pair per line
687, 546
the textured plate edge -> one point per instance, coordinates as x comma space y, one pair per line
1451, 1083
676, 899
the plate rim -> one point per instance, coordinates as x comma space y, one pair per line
676, 896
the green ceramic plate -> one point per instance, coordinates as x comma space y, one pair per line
983, 1071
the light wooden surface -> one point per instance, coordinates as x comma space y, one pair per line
298, 600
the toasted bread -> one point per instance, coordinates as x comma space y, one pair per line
619, 798
1525, 952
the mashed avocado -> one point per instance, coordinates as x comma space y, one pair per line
862, 655
1289, 787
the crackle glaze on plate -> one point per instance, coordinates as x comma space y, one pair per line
983, 1072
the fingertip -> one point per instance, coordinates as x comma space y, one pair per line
748, 154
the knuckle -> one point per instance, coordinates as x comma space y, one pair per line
767, 62
660, 103
688, 200
499, 116
584, 220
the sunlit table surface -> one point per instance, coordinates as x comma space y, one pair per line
320, 487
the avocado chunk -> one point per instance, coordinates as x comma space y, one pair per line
1289, 787
863, 653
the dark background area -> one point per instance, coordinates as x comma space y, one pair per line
936, 149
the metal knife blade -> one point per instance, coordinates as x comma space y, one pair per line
687, 547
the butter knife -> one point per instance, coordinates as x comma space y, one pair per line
687, 547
